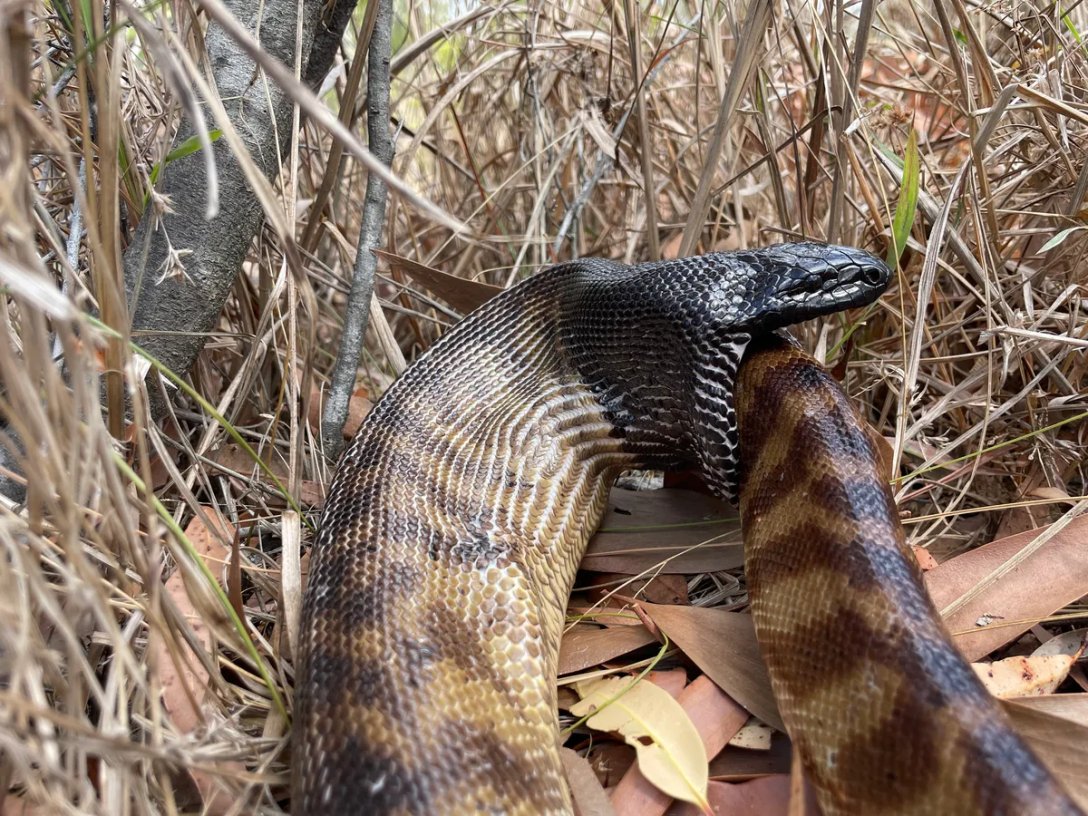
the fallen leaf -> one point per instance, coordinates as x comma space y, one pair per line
885, 449
185, 681
311, 494
924, 558
670, 247
19, 806
1072, 707
671, 680
1067, 643
738, 764
613, 612
359, 405
565, 698
671, 531
460, 293
755, 736
670, 751
717, 718
1059, 742
184, 685
1024, 676
1014, 603
589, 797
660, 588
585, 646
610, 760
767, 796
1050, 492
234, 460
1018, 519
722, 644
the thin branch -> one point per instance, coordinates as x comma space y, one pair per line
370, 235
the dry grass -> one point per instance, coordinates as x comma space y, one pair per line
524, 126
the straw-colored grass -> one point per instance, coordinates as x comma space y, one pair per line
550, 136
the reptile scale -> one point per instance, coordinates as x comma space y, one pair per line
454, 527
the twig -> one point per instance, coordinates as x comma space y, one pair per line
362, 287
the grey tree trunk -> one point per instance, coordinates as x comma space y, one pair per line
172, 315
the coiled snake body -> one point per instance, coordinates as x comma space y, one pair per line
455, 524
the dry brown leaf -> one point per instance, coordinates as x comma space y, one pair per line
1060, 743
589, 797
1073, 707
717, 716
233, 457
183, 686
1014, 603
924, 558
669, 748
670, 248
1019, 519
613, 612
610, 760
767, 796
1022, 676
18, 806
740, 764
462, 294
672, 680
722, 644
359, 405
1050, 492
585, 646
640, 530
311, 494
657, 588
884, 447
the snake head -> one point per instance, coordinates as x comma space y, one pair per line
788, 283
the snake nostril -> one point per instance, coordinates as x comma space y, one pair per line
873, 275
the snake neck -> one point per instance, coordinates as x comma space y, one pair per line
662, 377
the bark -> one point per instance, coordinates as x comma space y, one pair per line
172, 315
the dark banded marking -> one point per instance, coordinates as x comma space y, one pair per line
887, 716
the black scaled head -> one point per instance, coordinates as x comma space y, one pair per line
780, 285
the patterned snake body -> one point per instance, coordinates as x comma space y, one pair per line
885, 713
455, 524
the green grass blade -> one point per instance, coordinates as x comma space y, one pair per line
907, 205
